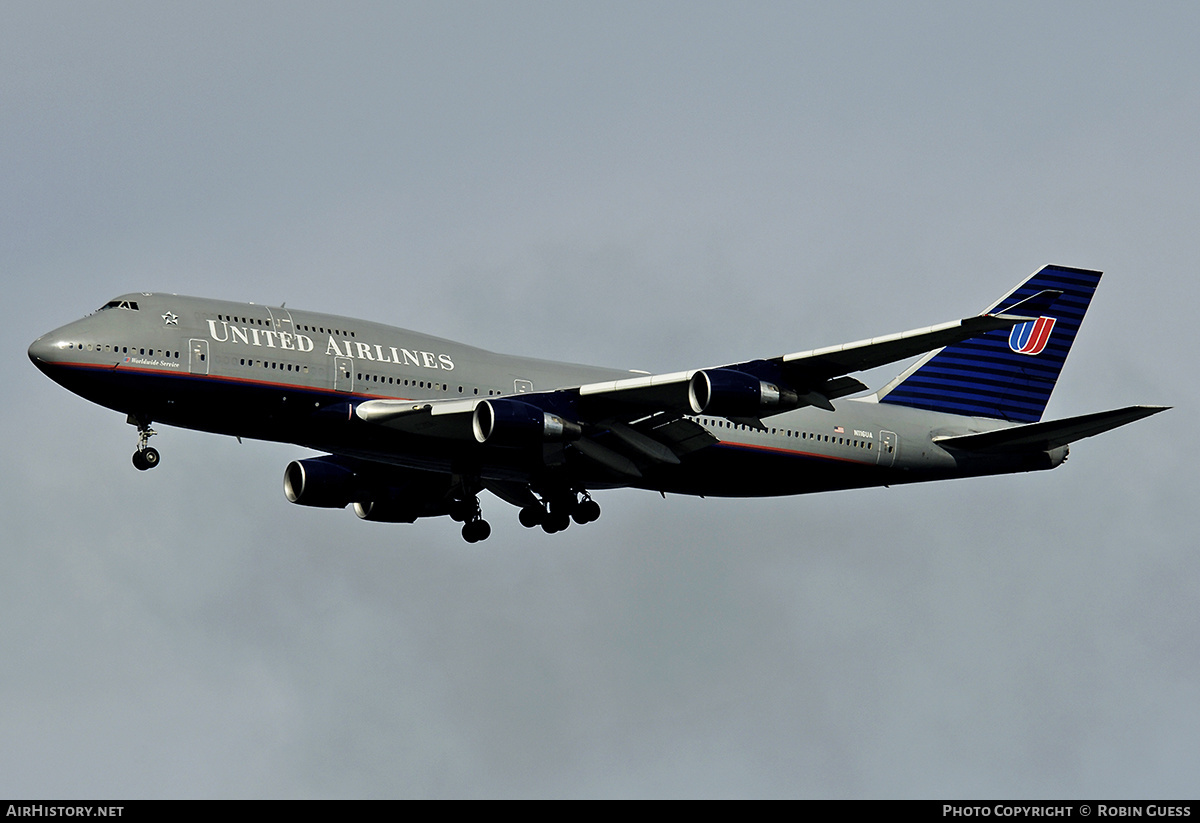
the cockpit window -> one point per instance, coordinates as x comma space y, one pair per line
131, 305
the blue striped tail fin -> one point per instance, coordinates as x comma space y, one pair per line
1004, 374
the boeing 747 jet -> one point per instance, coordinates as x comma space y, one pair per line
416, 426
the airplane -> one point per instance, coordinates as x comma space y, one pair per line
414, 426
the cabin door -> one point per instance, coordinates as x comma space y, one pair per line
343, 374
887, 448
198, 356
281, 320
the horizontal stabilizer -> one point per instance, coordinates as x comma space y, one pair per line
1048, 435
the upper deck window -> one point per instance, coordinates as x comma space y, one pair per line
131, 305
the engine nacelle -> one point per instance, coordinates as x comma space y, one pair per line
382, 494
319, 481
391, 511
729, 393
505, 422
404, 503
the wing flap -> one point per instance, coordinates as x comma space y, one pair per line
683, 436
606, 457
646, 446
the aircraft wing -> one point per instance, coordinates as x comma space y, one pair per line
636, 411
815, 377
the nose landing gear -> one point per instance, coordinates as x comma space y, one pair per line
146, 457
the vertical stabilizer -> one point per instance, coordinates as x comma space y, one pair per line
1004, 374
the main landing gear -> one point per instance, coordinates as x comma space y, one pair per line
146, 457
553, 514
467, 512
560, 512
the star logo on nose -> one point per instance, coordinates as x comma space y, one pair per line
170, 319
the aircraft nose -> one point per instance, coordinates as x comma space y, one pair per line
43, 351
38, 349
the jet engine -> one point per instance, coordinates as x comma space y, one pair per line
504, 422
383, 495
319, 481
729, 393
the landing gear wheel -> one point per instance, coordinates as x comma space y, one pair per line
146, 458
476, 531
531, 516
556, 522
586, 512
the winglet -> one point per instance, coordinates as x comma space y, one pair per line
1037, 305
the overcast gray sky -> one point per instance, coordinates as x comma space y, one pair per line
641, 185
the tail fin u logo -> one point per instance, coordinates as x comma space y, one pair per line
1031, 337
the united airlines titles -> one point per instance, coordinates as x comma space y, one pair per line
402, 357
252, 336
224, 332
